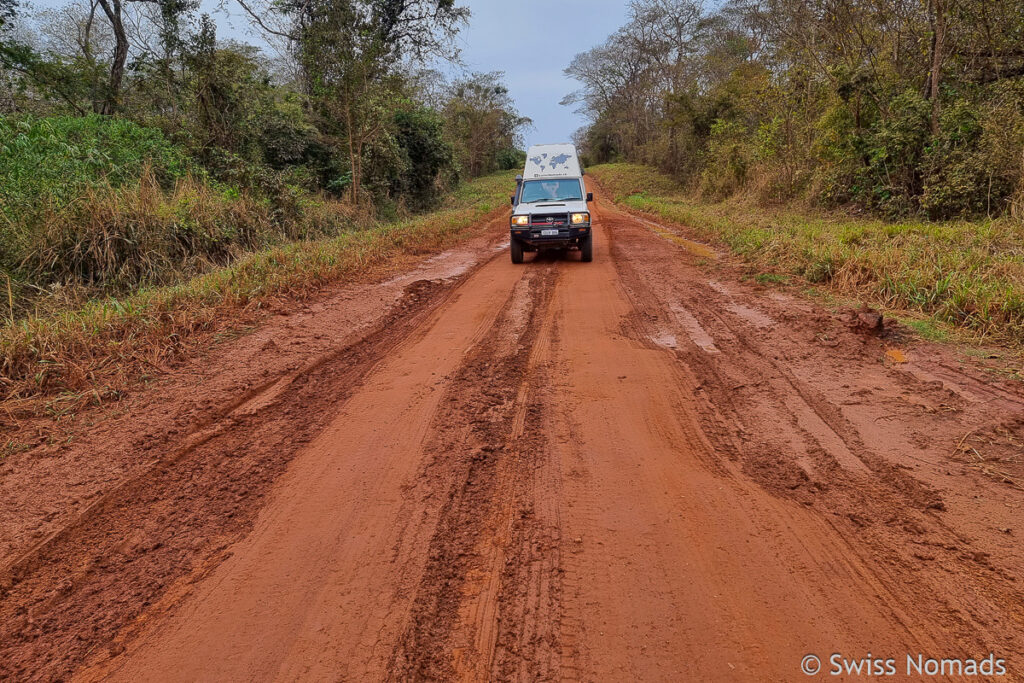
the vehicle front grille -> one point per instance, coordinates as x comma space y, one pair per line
556, 219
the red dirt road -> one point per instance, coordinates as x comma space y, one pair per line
634, 469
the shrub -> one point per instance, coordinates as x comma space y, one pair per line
49, 164
729, 154
57, 158
510, 159
427, 159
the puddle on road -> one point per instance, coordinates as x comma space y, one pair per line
666, 339
697, 334
791, 302
447, 265
784, 298
751, 315
694, 247
720, 288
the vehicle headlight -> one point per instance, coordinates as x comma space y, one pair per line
578, 218
520, 220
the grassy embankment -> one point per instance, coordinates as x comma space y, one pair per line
965, 275
123, 252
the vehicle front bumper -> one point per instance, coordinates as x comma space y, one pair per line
532, 236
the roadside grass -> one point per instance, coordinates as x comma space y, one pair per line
968, 275
771, 278
98, 206
115, 240
52, 362
927, 329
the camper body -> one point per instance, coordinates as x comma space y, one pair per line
550, 204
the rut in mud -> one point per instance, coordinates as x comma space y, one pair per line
636, 468
479, 460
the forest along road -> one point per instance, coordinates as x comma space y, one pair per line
635, 469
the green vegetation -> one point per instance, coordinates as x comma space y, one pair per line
138, 150
55, 160
346, 106
156, 180
69, 352
902, 109
96, 205
926, 329
771, 278
968, 274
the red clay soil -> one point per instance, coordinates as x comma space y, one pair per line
634, 469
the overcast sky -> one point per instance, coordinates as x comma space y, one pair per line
532, 41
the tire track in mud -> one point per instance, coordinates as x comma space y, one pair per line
478, 587
747, 392
403, 465
67, 598
833, 444
525, 635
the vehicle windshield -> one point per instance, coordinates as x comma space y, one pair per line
551, 191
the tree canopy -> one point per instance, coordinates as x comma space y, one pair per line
902, 107
342, 108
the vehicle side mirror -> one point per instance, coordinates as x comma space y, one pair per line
590, 196
512, 200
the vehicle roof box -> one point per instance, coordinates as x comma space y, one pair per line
552, 161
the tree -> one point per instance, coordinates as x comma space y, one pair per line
350, 51
938, 22
481, 117
631, 80
113, 9
24, 65
427, 155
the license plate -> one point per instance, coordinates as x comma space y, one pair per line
550, 232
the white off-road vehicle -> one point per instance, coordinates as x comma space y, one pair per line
550, 204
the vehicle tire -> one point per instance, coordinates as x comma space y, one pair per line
516, 249
587, 249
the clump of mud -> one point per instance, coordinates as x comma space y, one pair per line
865, 320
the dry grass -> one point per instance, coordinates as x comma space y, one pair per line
113, 241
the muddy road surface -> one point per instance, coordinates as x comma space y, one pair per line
641, 468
